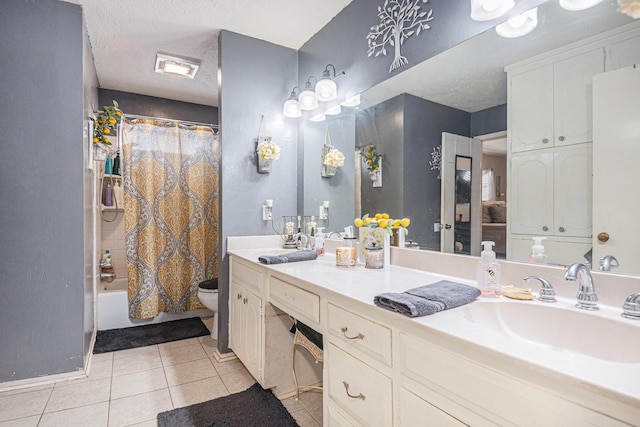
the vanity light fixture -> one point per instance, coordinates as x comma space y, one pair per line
332, 111
308, 99
326, 88
292, 106
353, 101
574, 5
318, 118
519, 25
486, 10
176, 66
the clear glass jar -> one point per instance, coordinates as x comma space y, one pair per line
346, 254
373, 257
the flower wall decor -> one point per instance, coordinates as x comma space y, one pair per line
267, 150
105, 123
332, 158
630, 8
436, 159
373, 160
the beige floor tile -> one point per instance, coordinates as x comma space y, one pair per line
209, 345
91, 415
182, 354
151, 423
292, 405
189, 371
237, 381
139, 408
180, 343
101, 369
304, 419
26, 390
102, 357
136, 383
197, 391
73, 395
208, 321
22, 422
135, 352
136, 363
21, 405
312, 402
227, 367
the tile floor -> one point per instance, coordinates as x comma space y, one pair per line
130, 387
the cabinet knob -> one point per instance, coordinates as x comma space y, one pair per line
238, 296
244, 301
447, 226
545, 228
545, 141
561, 229
353, 396
561, 138
603, 237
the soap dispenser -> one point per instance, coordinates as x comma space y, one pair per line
488, 272
319, 245
537, 255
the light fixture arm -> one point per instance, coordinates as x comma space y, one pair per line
293, 95
327, 75
308, 84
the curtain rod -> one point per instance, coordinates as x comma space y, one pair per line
183, 122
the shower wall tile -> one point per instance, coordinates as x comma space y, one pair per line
113, 239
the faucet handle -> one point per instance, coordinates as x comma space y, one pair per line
631, 307
547, 293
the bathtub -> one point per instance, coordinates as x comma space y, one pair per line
113, 308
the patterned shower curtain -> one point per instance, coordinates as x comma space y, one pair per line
171, 214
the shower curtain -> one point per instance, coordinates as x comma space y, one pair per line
171, 215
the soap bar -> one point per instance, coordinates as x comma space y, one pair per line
517, 293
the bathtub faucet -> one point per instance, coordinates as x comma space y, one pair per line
107, 277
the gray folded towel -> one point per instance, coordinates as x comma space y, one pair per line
290, 257
406, 304
449, 294
428, 299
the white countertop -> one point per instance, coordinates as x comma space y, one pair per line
514, 355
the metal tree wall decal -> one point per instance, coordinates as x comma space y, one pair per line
399, 20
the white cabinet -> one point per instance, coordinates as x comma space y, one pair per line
415, 411
551, 192
550, 105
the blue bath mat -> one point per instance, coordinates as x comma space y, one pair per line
157, 333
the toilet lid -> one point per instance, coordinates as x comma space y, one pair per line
210, 284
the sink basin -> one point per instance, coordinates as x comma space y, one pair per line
564, 329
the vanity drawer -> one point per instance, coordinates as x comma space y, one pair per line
299, 303
359, 389
246, 275
363, 334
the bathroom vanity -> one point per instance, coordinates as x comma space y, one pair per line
491, 362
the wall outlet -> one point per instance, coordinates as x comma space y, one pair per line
267, 215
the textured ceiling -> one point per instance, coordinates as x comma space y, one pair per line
125, 36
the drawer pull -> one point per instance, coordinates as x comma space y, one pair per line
344, 332
359, 396
239, 296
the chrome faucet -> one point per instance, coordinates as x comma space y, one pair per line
631, 307
107, 276
307, 243
608, 262
332, 233
587, 298
547, 293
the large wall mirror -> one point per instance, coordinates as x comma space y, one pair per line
462, 91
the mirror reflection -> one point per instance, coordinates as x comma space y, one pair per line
464, 91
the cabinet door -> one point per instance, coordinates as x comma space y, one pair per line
573, 191
572, 97
624, 53
531, 109
236, 320
531, 193
252, 333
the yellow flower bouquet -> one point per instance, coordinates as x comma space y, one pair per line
383, 221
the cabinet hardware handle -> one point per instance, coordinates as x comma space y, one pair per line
239, 296
545, 228
447, 226
561, 138
359, 396
244, 301
561, 229
344, 330
603, 236
545, 141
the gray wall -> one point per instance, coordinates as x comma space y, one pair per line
488, 121
254, 76
42, 210
405, 130
151, 106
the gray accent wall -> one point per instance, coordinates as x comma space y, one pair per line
42, 267
488, 121
151, 106
254, 75
405, 130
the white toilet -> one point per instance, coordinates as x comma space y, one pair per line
208, 296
